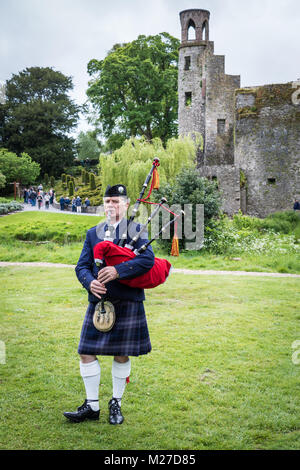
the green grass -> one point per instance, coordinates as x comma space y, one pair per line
58, 238
220, 374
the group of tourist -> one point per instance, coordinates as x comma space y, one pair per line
76, 203
37, 196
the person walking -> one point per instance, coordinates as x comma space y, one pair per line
74, 207
39, 200
129, 335
78, 204
47, 200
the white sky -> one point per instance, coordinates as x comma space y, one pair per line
259, 38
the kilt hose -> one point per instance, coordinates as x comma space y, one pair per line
128, 337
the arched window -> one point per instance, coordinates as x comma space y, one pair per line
191, 31
204, 31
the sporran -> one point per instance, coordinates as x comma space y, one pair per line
104, 316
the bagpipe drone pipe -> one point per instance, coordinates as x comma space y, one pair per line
110, 254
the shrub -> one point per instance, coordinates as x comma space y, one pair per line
92, 181
190, 188
71, 188
11, 206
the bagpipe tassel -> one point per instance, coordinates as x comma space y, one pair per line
175, 243
155, 177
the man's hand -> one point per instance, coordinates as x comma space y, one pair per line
97, 288
107, 274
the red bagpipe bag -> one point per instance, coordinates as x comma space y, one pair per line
113, 254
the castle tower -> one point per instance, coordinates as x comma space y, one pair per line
193, 52
206, 104
206, 93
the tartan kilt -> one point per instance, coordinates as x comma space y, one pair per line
128, 337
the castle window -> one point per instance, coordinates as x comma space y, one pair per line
221, 126
191, 31
188, 98
204, 31
271, 181
187, 62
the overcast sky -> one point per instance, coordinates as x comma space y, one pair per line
259, 38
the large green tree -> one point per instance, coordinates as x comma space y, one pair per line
134, 89
18, 168
38, 116
88, 146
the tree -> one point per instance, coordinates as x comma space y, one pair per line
88, 146
21, 169
92, 181
38, 116
134, 89
131, 163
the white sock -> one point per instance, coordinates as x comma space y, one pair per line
120, 371
90, 374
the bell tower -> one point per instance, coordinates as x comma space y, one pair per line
196, 20
205, 92
193, 52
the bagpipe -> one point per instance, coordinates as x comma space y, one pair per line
109, 254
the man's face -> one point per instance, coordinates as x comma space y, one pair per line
115, 208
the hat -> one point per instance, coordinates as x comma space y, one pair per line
117, 190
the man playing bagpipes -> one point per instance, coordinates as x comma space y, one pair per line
129, 335
115, 322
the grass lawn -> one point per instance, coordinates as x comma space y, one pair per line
58, 238
220, 375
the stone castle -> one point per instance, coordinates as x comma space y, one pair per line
251, 136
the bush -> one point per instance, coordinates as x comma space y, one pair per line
71, 188
12, 206
190, 188
92, 181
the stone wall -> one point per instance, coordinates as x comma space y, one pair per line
228, 178
220, 90
267, 147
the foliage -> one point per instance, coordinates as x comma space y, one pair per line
71, 188
92, 181
130, 164
39, 116
88, 146
2, 180
276, 234
21, 169
134, 89
190, 188
11, 206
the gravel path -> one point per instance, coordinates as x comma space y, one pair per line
174, 270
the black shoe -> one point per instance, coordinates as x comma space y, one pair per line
83, 412
115, 415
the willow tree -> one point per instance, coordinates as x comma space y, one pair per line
131, 163
134, 89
